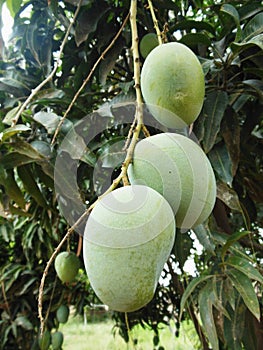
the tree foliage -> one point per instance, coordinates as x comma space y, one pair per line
227, 37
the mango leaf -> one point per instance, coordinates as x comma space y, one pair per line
48, 119
235, 327
228, 196
205, 301
12, 85
231, 240
204, 236
7, 179
233, 13
25, 148
213, 111
189, 290
8, 119
246, 290
14, 159
24, 322
13, 6
182, 247
30, 185
9, 132
256, 85
191, 24
250, 337
230, 130
253, 28
239, 47
88, 20
221, 163
193, 39
109, 61
244, 266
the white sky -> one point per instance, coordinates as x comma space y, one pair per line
8, 23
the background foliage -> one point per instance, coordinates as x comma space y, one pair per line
224, 299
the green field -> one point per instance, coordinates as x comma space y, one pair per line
99, 336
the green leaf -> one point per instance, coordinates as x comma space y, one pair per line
9, 132
88, 20
204, 236
221, 163
187, 24
30, 185
189, 290
14, 159
48, 119
235, 327
182, 247
8, 119
233, 13
253, 28
7, 179
24, 322
193, 39
228, 196
244, 266
239, 47
246, 290
213, 111
205, 301
13, 6
231, 240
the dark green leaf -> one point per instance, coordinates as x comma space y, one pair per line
30, 185
253, 28
231, 240
88, 20
246, 290
182, 247
213, 111
233, 13
244, 266
14, 159
221, 163
187, 24
256, 41
204, 236
205, 299
193, 39
190, 289
7, 179
235, 327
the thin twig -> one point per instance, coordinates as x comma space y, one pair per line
88, 78
53, 72
155, 22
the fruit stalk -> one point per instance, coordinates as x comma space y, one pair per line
155, 22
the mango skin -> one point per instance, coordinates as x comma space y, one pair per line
176, 167
148, 43
124, 269
173, 84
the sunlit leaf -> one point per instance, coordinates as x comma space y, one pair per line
244, 266
245, 288
253, 28
8, 119
9, 132
48, 119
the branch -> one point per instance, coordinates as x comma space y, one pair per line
155, 22
88, 78
53, 72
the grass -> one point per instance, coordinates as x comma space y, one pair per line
99, 336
